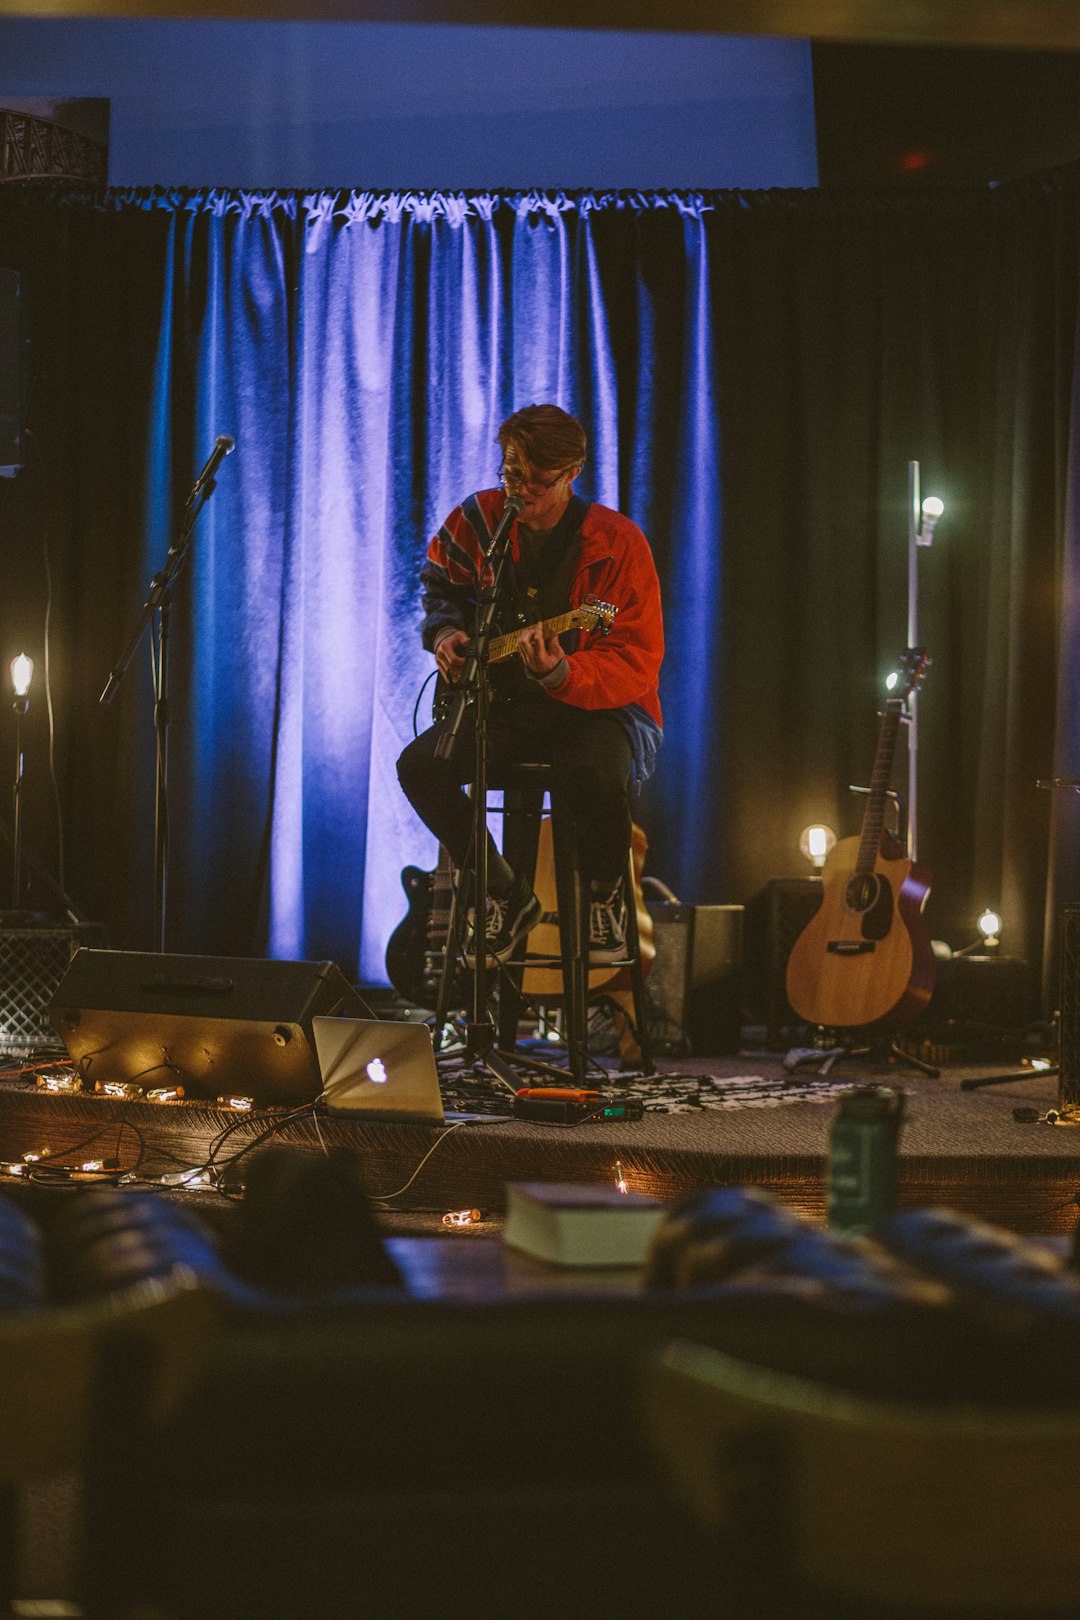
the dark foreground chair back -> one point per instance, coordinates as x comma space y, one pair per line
832, 1504
408, 1459
53, 1361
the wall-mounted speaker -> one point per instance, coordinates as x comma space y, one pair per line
695, 983
212, 1024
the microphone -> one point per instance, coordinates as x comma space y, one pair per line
514, 502
222, 445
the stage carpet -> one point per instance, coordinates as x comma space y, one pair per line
732, 1121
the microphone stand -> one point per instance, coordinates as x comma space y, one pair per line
474, 687
159, 601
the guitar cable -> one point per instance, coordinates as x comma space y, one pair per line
416, 706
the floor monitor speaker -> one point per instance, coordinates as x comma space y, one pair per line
212, 1024
695, 982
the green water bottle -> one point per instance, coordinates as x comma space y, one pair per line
863, 1165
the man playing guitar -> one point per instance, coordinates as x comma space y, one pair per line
586, 704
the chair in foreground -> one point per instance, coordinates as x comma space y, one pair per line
839, 1505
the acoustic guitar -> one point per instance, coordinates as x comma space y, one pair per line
864, 959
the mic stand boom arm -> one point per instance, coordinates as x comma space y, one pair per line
473, 686
159, 601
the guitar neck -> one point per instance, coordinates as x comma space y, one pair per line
874, 815
441, 900
505, 646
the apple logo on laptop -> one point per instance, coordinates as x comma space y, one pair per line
376, 1072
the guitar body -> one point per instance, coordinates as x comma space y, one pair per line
864, 959
545, 983
414, 951
416, 948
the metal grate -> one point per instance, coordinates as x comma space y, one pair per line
32, 963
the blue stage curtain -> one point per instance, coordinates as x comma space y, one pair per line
362, 350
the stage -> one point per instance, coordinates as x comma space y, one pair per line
714, 1121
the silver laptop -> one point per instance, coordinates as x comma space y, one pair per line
385, 1070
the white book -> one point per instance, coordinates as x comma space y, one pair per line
580, 1224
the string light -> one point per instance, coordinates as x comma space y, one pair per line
61, 1083
165, 1094
118, 1088
240, 1105
461, 1217
620, 1179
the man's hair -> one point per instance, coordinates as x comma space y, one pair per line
545, 437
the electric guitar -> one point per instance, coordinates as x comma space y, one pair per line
416, 950
865, 958
591, 615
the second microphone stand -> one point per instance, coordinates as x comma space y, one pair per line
473, 689
159, 601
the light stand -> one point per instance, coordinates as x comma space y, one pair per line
22, 673
160, 602
922, 519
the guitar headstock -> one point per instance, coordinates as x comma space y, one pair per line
914, 662
595, 615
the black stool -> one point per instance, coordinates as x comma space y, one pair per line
523, 788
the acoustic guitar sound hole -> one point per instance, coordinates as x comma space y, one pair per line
871, 898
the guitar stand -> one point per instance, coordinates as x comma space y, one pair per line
827, 1052
1052, 1070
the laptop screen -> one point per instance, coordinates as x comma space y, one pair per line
384, 1069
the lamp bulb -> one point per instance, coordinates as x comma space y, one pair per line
22, 673
989, 926
815, 842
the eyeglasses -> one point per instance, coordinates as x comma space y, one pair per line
515, 476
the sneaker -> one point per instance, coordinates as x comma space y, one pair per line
607, 928
508, 921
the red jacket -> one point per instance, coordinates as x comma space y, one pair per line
619, 671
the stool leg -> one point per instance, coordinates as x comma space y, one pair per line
521, 838
573, 921
637, 977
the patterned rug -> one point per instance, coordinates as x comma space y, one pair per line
471, 1089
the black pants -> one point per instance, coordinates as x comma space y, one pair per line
591, 755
